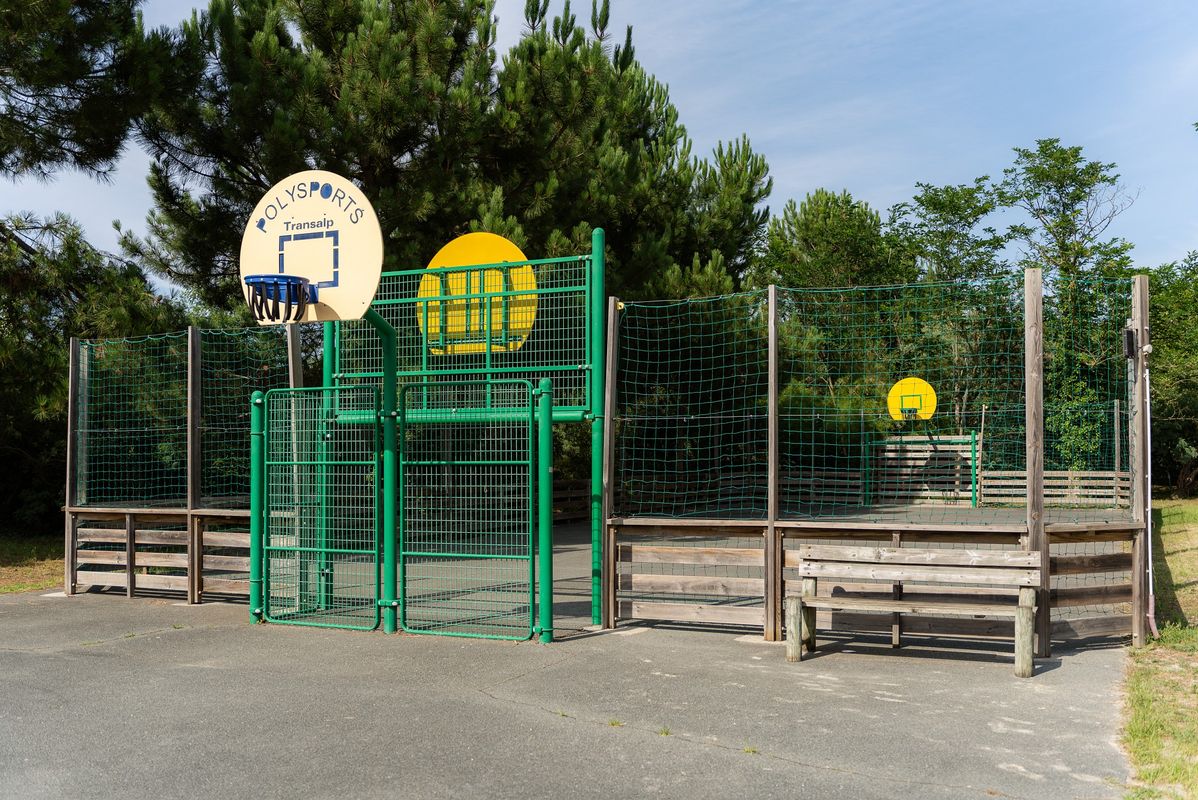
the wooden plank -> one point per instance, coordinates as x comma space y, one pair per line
705, 556
160, 515
104, 535
887, 605
87, 577
116, 557
174, 583
1033, 373
1092, 595
162, 537
1113, 625
693, 584
828, 526
225, 539
693, 612
178, 560
667, 523
914, 555
229, 515
946, 593
1002, 576
916, 624
1081, 565
225, 586
232, 563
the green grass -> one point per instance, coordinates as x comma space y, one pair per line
1161, 729
28, 565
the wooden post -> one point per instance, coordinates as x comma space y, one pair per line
794, 634
773, 554
130, 554
1033, 371
1024, 627
295, 357
807, 616
194, 471
1139, 464
71, 495
896, 591
981, 456
1118, 451
610, 574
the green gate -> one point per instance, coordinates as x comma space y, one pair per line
322, 494
467, 485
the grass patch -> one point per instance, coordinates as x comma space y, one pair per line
1161, 729
28, 565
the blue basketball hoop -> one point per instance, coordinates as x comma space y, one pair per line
279, 298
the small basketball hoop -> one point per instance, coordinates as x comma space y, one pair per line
279, 298
910, 413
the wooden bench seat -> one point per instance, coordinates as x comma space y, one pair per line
1016, 569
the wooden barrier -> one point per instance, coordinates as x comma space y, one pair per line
707, 572
156, 549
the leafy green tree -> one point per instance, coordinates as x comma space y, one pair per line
830, 239
1070, 203
949, 232
406, 99
1174, 367
76, 76
53, 285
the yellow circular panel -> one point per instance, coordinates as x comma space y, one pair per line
911, 398
453, 312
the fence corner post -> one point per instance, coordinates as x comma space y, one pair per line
545, 509
257, 516
1033, 370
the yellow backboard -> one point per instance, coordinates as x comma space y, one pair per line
911, 398
467, 311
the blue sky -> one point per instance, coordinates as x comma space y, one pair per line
873, 97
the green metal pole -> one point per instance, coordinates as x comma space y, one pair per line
973, 467
390, 346
598, 349
545, 507
324, 571
257, 481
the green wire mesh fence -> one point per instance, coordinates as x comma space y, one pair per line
131, 428
233, 365
321, 510
467, 484
459, 323
693, 398
133, 421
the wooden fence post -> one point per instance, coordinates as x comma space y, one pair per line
610, 566
1033, 370
1139, 464
72, 484
773, 549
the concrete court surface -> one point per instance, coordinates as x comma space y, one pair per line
103, 696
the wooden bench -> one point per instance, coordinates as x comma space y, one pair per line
930, 567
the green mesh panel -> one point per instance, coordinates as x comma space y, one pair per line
467, 503
691, 422
557, 346
322, 492
233, 365
131, 424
